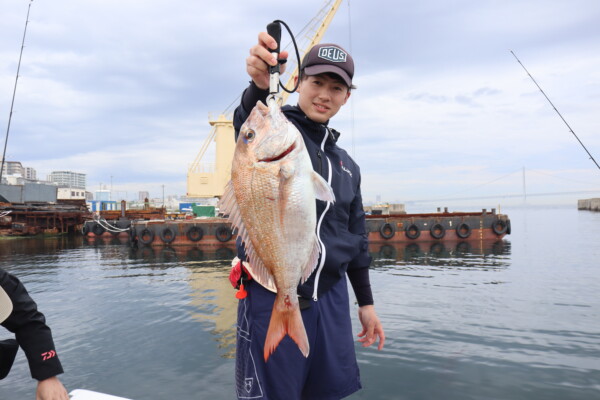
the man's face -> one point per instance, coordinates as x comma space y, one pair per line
322, 96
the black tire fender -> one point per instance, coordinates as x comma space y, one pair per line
195, 233
387, 231
437, 231
463, 230
499, 227
98, 229
412, 231
167, 234
223, 233
146, 236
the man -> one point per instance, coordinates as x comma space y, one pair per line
331, 369
19, 314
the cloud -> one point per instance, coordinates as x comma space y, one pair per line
123, 89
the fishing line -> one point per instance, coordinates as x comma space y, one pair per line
555, 109
275, 31
14, 91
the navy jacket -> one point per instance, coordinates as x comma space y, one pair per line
342, 224
30, 329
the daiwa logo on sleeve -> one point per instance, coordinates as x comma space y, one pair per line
346, 170
333, 54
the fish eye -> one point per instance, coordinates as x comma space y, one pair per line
250, 134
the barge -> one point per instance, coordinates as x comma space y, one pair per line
111, 223
440, 226
33, 218
213, 231
393, 228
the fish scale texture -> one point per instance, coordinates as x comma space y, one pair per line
273, 206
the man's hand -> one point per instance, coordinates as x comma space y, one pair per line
371, 327
51, 389
257, 65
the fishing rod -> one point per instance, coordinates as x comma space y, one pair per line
14, 91
274, 30
555, 109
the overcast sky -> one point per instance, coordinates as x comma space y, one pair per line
123, 89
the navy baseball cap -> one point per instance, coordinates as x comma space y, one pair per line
328, 57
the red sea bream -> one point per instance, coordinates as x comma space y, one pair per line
271, 201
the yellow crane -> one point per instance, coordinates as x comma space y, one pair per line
207, 180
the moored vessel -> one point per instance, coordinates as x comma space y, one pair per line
440, 226
392, 228
33, 218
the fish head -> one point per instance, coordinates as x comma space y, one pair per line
267, 136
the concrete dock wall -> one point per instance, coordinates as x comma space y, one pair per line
589, 204
29, 192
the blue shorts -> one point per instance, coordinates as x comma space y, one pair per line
329, 373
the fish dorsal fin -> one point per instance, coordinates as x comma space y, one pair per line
256, 268
323, 190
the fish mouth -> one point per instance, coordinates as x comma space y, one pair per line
280, 156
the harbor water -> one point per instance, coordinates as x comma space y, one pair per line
515, 319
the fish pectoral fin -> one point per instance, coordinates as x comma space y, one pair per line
322, 189
287, 170
286, 322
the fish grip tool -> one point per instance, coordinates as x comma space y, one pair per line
274, 30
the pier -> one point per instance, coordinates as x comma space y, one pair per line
589, 204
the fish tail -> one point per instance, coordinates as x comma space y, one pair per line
285, 320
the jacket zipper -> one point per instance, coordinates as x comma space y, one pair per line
320, 162
323, 249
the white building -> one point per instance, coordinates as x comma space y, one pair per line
30, 173
71, 194
68, 179
12, 168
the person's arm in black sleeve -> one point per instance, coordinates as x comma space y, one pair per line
358, 274
358, 270
361, 285
30, 329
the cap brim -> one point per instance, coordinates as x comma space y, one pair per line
6, 305
324, 68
